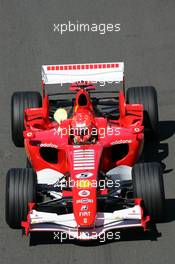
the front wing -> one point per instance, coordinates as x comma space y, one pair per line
51, 222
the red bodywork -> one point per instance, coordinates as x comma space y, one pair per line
127, 131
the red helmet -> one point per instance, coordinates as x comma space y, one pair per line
82, 127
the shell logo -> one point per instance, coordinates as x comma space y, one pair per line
84, 193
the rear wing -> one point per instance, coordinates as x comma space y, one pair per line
92, 72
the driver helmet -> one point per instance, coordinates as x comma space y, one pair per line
82, 126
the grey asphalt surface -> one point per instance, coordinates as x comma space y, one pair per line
146, 45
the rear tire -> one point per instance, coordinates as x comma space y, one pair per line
19, 102
147, 96
20, 190
148, 185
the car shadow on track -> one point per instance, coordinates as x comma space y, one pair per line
157, 151
167, 129
170, 212
125, 235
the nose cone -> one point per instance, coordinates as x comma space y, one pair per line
84, 164
84, 205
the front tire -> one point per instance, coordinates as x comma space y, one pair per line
19, 102
148, 185
20, 190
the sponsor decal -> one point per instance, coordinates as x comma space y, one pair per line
122, 141
29, 134
84, 214
85, 220
84, 175
84, 201
83, 159
48, 145
84, 207
84, 193
133, 213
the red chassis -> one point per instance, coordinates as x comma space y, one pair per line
70, 165
127, 130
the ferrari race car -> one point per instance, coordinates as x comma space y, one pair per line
84, 175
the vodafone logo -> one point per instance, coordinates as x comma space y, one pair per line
50, 145
125, 141
84, 193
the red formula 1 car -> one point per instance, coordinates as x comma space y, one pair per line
83, 176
